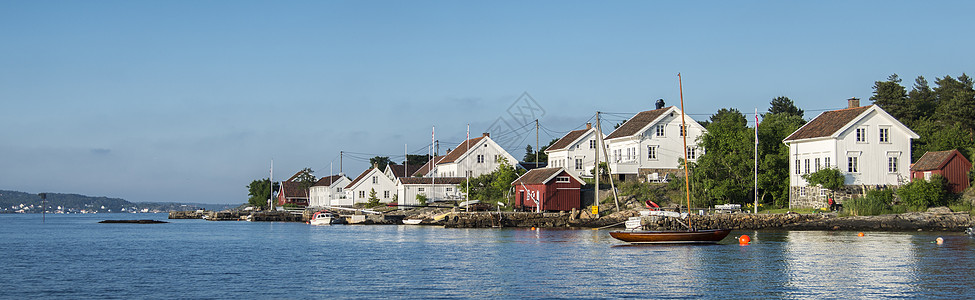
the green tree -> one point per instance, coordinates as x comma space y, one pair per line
955, 101
773, 157
373, 200
417, 160
259, 192
921, 100
491, 186
724, 173
784, 105
939, 136
921, 194
542, 157
305, 178
892, 97
379, 161
829, 178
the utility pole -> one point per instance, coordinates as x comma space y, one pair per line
538, 151
340, 161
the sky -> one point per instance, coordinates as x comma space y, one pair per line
189, 101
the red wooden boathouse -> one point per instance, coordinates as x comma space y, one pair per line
951, 164
554, 189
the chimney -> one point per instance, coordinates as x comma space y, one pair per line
588, 125
660, 103
487, 134
853, 102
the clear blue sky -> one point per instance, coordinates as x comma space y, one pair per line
188, 101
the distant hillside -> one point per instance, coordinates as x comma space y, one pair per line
20, 202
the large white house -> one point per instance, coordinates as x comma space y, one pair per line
649, 146
576, 151
329, 191
474, 157
372, 179
869, 146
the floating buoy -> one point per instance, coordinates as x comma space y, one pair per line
939, 241
533, 228
744, 239
860, 234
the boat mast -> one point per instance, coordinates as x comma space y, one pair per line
270, 201
683, 128
595, 171
756, 160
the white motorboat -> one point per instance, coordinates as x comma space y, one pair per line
412, 221
322, 218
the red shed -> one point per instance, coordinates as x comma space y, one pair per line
950, 164
553, 188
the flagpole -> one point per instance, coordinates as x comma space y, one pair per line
467, 172
756, 160
683, 128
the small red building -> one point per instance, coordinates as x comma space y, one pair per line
950, 164
551, 188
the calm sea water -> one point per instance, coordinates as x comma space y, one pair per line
72, 256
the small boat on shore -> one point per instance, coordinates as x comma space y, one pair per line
709, 236
412, 221
322, 218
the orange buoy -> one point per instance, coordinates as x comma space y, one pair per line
860, 234
939, 240
533, 227
744, 239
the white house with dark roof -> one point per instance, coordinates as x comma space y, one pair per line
576, 152
359, 189
649, 146
473, 157
869, 146
329, 191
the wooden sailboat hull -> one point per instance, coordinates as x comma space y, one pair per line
709, 236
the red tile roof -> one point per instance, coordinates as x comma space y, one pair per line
292, 189
539, 176
423, 170
363, 175
636, 123
934, 160
459, 151
567, 140
328, 180
430, 180
398, 170
827, 123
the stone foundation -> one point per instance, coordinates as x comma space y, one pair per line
814, 199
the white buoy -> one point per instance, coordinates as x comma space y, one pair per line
939, 240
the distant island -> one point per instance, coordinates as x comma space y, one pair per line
21, 202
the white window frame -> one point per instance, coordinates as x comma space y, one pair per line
562, 179
884, 134
691, 152
651, 152
659, 131
861, 135
892, 164
578, 164
853, 164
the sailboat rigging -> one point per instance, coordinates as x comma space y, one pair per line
691, 235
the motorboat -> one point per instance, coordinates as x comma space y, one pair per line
322, 218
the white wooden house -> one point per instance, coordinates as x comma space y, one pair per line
329, 191
473, 158
649, 146
359, 189
435, 189
869, 146
576, 151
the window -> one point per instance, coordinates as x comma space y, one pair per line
861, 135
822, 192
562, 179
683, 130
497, 158
375, 180
892, 164
480, 158
818, 166
469, 173
691, 153
338, 190
651, 152
798, 168
885, 135
851, 164
660, 130
385, 194
450, 189
802, 191
807, 166
578, 164
826, 164
616, 155
362, 194
592, 144
419, 189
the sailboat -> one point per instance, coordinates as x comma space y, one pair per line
692, 235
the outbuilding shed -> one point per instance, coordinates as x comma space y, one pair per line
548, 189
951, 164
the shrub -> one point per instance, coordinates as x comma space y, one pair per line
876, 202
921, 194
